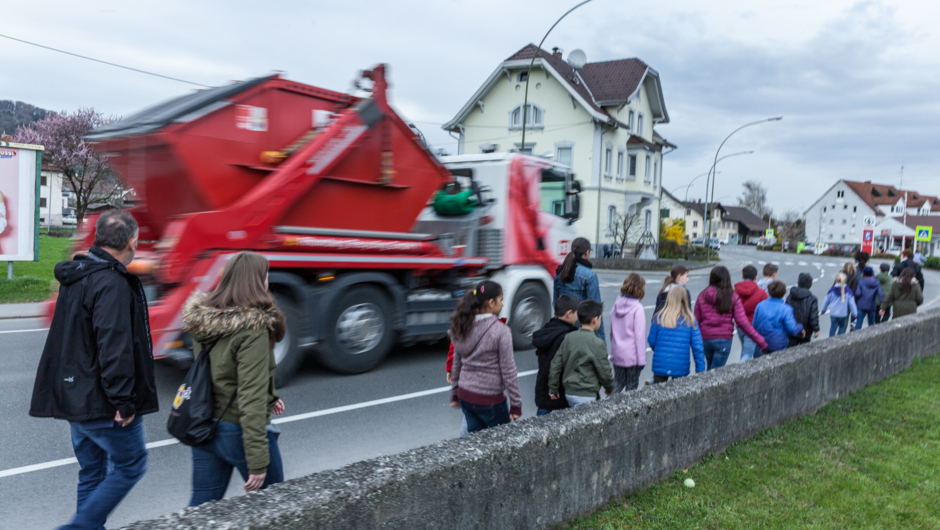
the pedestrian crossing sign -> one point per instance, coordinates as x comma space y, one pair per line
924, 233
770, 232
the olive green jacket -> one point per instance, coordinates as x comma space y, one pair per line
242, 360
903, 303
581, 366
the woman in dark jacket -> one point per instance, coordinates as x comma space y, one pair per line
242, 321
575, 277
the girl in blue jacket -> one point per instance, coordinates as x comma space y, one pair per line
843, 304
674, 332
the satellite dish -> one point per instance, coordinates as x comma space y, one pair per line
577, 59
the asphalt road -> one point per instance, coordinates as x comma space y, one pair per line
332, 420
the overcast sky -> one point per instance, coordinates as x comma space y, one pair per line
856, 82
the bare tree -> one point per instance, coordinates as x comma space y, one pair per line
86, 172
625, 229
754, 198
790, 226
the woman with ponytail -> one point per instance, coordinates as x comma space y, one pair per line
575, 277
484, 367
717, 309
678, 277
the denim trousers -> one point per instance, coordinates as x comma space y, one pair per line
871, 315
481, 417
749, 349
716, 352
214, 462
112, 460
837, 324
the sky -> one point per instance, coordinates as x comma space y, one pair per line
854, 81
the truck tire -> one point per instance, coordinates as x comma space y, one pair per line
287, 353
358, 331
531, 309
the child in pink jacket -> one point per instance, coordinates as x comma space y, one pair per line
628, 334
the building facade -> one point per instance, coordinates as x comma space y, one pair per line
53, 197
597, 118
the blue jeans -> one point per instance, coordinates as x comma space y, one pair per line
542, 412
481, 417
749, 349
214, 462
716, 352
837, 323
112, 460
871, 315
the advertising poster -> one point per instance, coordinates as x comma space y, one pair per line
19, 180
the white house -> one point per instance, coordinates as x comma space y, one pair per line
838, 216
53, 198
598, 118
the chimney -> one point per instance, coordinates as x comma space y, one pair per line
556, 52
867, 182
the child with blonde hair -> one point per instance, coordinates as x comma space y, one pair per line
842, 301
673, 335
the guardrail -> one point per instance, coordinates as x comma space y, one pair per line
540, 472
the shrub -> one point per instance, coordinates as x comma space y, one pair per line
933, 262
897, 259
836, 252
882, 255
670, 250
807, 251
777, 248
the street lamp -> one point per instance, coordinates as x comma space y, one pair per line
715, 164
709, 172
525, 102
720, 159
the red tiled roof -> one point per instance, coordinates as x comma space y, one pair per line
885, 194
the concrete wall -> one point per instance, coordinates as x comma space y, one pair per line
540, 472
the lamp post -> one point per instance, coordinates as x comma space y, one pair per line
715, 164
709, 172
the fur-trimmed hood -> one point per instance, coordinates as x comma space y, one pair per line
207, 323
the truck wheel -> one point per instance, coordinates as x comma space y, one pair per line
531, 309
359, 331
287, 353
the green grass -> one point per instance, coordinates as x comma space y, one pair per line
33, 280
870, 460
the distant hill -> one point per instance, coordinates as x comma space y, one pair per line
16, 113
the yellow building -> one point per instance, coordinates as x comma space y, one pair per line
598, 118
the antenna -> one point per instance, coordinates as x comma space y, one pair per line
577, 59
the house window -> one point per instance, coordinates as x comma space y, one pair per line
488, 148
563, 156
843, 221
42, 201
611, 218
639, 125
840, 194
42, 181
646, 170
694, 235
648, 221
523, 76
832, 221
694, 224
688, 212
534, 117
620, 164
632, 162
842, 237
608, 161
831, 236
824, 208
845, 206
630, 122
854, 209
655, 171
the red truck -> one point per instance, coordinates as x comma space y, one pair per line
336, 192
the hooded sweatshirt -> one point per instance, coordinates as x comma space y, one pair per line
715, 325
242, 360
547, 340
750, 294
484, 366
868, 294
627, 333
841, 307
805, 307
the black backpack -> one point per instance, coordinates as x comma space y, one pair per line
191, 420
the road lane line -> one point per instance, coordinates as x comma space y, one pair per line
288, 419
23, 330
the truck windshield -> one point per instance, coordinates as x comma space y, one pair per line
553, 192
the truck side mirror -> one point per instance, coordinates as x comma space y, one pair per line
573, 203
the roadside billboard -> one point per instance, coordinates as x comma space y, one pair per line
19, 201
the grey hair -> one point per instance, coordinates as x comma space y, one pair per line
115, 229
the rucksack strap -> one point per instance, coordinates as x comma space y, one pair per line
231, 400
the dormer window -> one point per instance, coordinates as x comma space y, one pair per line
523, 76
892, 194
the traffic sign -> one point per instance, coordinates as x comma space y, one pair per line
868, 240
869, 220
924, 233
770, 232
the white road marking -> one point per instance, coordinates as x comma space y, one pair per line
23, 331
789, 264
288, 419
803, 264
762, 263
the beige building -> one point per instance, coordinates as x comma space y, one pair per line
597, 118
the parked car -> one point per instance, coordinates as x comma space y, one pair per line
714, 243
69, 220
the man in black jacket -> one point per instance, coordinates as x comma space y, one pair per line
547, 341
907, 262
96, 369
805, 308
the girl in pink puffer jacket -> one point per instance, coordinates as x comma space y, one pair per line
628, 334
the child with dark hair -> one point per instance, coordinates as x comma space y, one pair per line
581, 366
717, 309
773, 319
805, 308
770, 274
628, 334
678, 277
885, 279
868, 296
484, 366
750, 294
547, 340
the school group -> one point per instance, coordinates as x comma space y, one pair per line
573, 356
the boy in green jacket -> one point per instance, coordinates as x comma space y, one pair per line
581, 366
